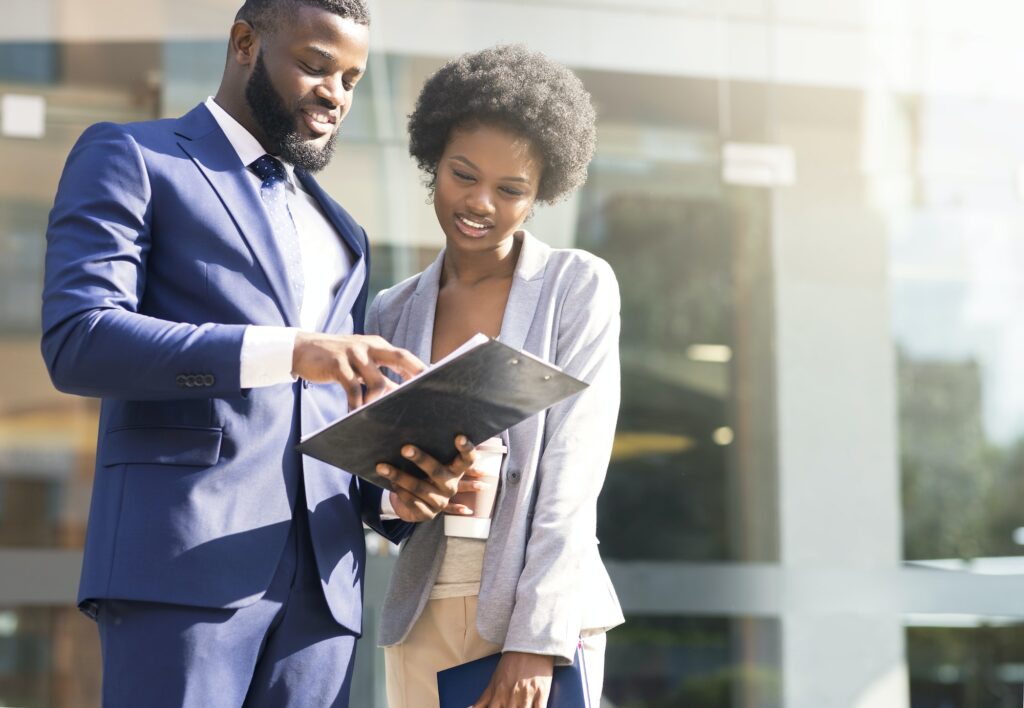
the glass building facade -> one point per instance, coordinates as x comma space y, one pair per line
816, 215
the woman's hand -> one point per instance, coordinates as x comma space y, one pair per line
520, 681
473, 481
416, 499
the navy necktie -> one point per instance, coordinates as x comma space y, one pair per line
273, 190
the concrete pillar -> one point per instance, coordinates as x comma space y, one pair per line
839, 503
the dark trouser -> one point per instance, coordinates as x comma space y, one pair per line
284, 650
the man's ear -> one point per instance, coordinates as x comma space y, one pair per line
244, 43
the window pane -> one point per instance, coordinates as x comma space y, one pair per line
978, 665
49, 657
958, 318
687, 662
48, 440
694, 446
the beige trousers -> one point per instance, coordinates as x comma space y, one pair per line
445, 636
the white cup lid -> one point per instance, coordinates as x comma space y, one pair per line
488, 446
466, 526
495, 444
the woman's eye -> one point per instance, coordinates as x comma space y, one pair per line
462, 175
512, 192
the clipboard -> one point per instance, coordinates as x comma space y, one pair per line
479, 390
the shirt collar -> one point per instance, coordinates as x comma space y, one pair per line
248, 147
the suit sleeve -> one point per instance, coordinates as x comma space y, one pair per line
95, 341
578, 438
394, 530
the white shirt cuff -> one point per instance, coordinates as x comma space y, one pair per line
267, 356
387, 512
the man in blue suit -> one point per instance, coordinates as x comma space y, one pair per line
201, 283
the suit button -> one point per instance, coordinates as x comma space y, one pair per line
208, 380
180, 380
513, 476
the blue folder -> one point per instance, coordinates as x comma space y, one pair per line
462, 685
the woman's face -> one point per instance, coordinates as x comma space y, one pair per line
486, 184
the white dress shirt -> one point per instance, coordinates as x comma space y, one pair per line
326, 261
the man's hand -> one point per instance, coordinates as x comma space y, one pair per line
416, 499
520, 681
352, 360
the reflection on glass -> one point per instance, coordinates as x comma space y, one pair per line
21, 264
683, 662
975, 666
48, 440
687, 449
47, 451
49, 658
959, 331
390, 264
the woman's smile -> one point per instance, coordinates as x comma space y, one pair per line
472, 228
486, 185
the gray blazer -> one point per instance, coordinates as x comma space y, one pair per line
543, 580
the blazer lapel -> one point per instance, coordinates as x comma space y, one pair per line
208, 147
527, 284
420, 325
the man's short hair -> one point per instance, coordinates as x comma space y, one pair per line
265, 15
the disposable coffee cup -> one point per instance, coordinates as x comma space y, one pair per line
489, 455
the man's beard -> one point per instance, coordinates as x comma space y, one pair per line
278, 124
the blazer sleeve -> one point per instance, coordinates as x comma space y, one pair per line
395, 530
578, 438
373, 315
95, 342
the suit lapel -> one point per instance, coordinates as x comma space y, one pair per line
208, 147
345, 300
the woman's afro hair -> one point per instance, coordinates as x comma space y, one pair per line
516, 89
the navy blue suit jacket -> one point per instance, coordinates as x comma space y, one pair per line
159, 253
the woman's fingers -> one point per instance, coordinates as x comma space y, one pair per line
426, 496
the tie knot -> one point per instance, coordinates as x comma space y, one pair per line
270, 170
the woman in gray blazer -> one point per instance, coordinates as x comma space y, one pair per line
495, 132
